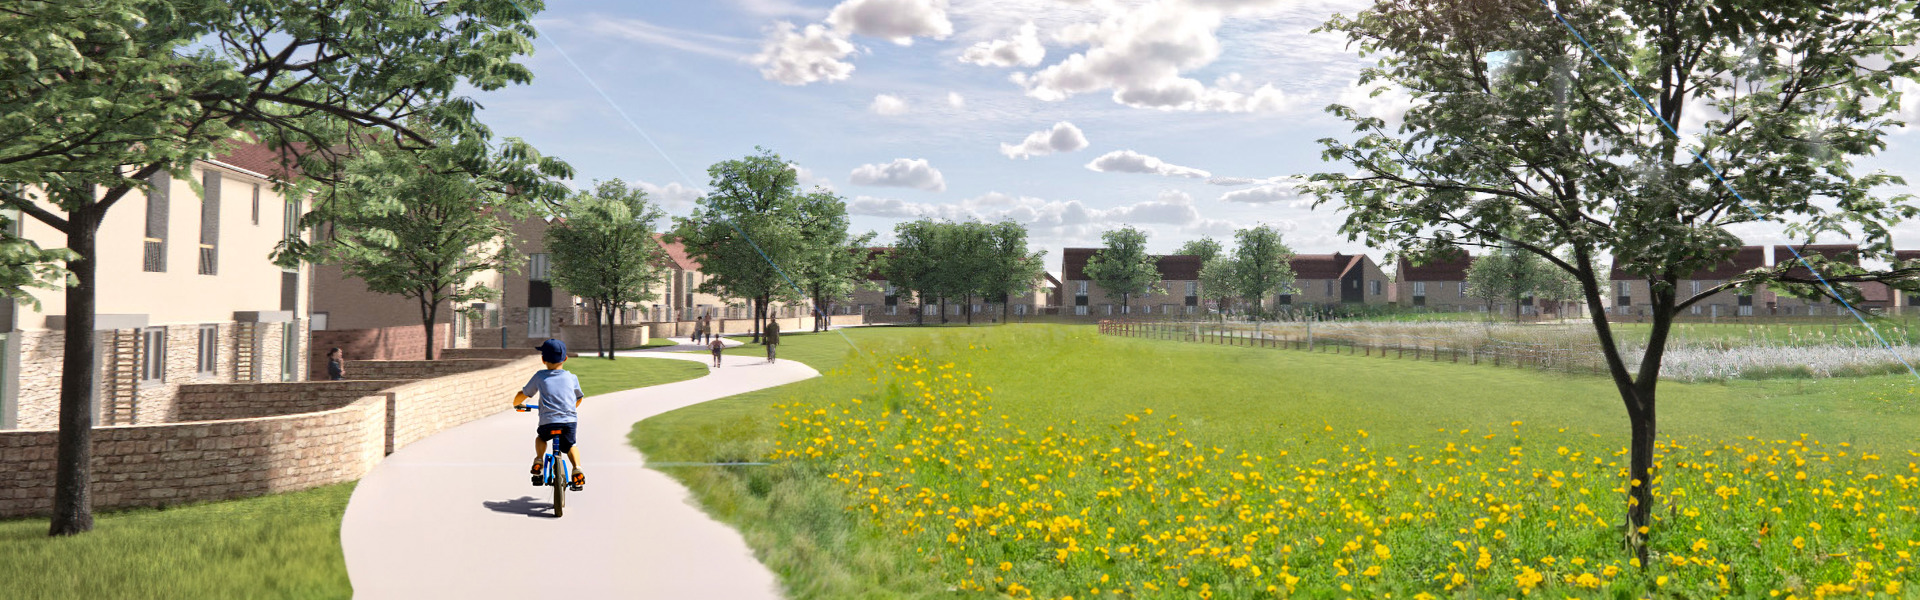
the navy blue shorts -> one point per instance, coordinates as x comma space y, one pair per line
562, 431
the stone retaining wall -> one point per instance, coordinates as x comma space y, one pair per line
389, 370
497, 353
358, 423
585, 338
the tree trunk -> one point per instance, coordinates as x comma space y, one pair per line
72, 499
613, 311
967, 305
429, 310
943, 310
920, 310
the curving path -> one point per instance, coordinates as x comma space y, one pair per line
454, 516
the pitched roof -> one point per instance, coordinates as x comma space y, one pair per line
1321, 266
1846, 253
873, 253
1874, 291
1745, 258
1899, 255
1172, 267
1451, 268
677, 253
257, 157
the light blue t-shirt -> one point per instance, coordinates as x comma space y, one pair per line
559, 394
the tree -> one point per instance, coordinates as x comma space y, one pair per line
1509, 274
114, 92
834, 263
1206, 248
1124, 267
1011, 269
1219, 281
1547, 151
1263, 265
911, 264
746, 230
420, 224
603, 250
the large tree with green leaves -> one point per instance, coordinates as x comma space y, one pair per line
1519, 137
911, 264
1219, 282
833, 262
421, 224
1206, 248
746, 233
1123, 267
107, 94
1262, 265
1011, 269
603, 250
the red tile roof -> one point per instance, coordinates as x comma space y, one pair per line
257, 157
1745, 258
1172, 267
676, 252
1322, 266
1452, 268
1900, 255
1846, 253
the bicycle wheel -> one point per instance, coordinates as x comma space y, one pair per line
559, 492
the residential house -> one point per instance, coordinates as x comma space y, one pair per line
1327, 279
679, 296
1906, 300
1177, 292
186, 294
1631, 294
1437, 286
1782, 304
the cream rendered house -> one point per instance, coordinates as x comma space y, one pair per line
187, 294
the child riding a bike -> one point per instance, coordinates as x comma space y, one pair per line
560, 397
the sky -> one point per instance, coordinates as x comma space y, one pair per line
1181, 117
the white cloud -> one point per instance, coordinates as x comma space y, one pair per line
1279, 190
1128, 161
911, 173
805, 56
1140, 53
672, 196
809, 180
896, 20
1233, 181
1063, 137
1023, 50
954, 99
775, 9
889, 105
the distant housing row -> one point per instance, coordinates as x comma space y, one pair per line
187, 295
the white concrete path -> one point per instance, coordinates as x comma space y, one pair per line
454, 515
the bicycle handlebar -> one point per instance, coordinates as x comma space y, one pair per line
526, 407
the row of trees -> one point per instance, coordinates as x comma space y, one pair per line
938, 261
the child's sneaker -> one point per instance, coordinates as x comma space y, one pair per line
579, 481
537, 482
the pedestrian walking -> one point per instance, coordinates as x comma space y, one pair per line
771, 337
714, 343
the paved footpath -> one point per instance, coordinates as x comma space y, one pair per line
454, 516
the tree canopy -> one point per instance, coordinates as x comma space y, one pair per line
1519, 137
602, 246
747, 232
1262, 265
1124, 268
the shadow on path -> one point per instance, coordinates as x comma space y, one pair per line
524, 505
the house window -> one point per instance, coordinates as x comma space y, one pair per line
1020, 309
289, 350
153, 357
1419, 293
892, 309
1193, 288
540, 322
1109, 308
1080, 309
1375, 284
1625, 293
256, 204
209, 349
537, 266
320, 321
155, 247
1286, 299
210, 223
1080, 289
953, 309
1695, 309
1189, 309
1696, 287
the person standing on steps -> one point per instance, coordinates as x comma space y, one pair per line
336, 365
772, 338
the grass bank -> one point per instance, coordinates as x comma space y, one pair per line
1260, 472
278, 546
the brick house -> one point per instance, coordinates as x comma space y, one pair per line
678, 296
1782, 304
1905, 300
186, 294
1177, 292
1326, 279
1437, 286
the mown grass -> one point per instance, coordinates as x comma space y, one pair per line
600, 376
278, 546
1262, 403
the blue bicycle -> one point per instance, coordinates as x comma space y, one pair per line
555, 470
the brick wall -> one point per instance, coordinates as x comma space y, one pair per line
499, 353
407, 342
159, 465
389, 370
246, 401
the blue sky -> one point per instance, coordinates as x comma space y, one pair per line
914, 108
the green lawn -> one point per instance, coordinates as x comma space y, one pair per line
279, 546
1259, 401
600, 376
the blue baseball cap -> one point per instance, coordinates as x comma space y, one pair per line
552, 351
